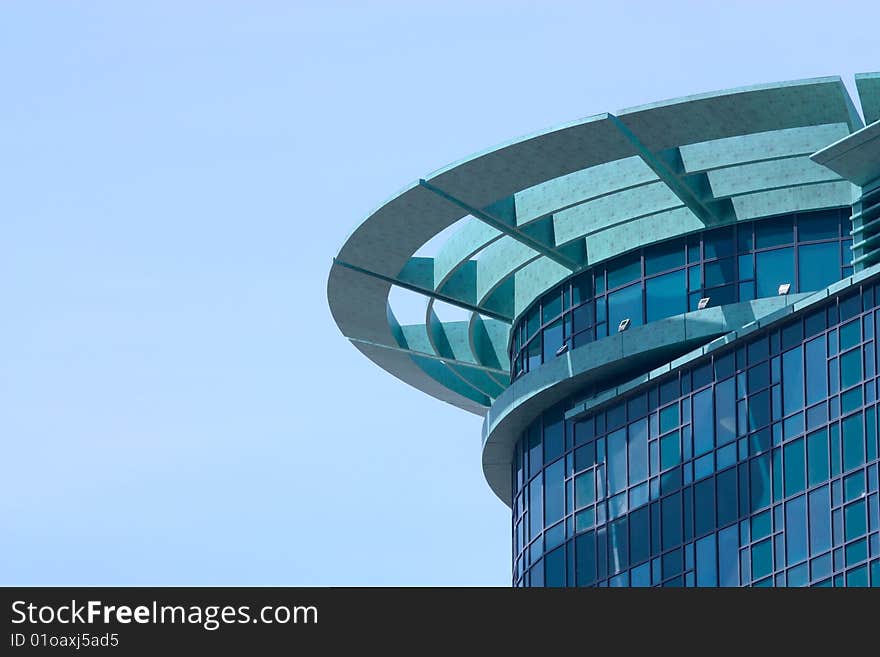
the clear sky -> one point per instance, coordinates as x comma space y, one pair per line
176, 404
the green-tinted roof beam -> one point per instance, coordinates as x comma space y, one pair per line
506, 228
426, 291
681, 189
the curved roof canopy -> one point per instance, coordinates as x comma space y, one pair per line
534, 211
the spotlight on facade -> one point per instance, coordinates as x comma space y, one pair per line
562, 349
624, 324
702, 303
784, 288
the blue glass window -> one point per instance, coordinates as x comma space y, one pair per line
554, 492
703, 422
718, 243
818, 266
585, 559
726, 496
670, 451
853, 442
585, 489
820, 520
760, 481
664, 257
707, 571
625, 304
637, 443
773, 232
535, 453
552, 340
762, 559
536, 496
817, 457
671, 514
796, 530
728, 557
792, 381
552, 305
854, 520
817, 370
850, 368
617, 461
725, 411
821, 225
794, 466
624, 270
640, 534
666, 295
554, 568
773, 269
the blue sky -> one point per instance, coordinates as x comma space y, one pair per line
176, 404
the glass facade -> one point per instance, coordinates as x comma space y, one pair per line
736, 263
754, 466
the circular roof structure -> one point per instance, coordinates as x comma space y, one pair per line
535, 211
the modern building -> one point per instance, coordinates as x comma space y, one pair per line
672, 327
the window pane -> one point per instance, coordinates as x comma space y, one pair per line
707, 574
794, 466
759, 410
618, 545
554, 492
533, 321
640, 535
725, 496
703, 422
762, 559
773, 269
536, 460
664, 257
820, 520
625, 304
704, 507
623, 270
728, 557
850, 368
666, 295
746, 267
638, 451
792, 381
671, 521
554, 568
817, 456
617, 461
725, 411
818, 266
760, 481
854, 520
817, 370
583, 317
773, 232
720, 272
552, 304
534, 353
585, 559
796, 530
552, 340
536, 506
821, 225
853, 442
670, 451
718, 244
585, 489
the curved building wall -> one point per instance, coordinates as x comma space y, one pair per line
757, 465
728, 265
